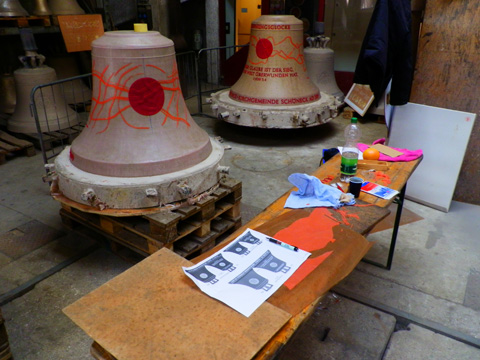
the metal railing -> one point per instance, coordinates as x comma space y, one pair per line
60, 109
187, 73
211, 72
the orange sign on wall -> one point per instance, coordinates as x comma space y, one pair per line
79, 31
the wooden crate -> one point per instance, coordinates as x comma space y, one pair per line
12, 145
189, 231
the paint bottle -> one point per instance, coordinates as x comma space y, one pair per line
348, 167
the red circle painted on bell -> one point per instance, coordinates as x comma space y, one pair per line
72, 156
264, 48
146, 96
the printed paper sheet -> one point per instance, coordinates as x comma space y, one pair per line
248, 271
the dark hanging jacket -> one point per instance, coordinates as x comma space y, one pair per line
386, 52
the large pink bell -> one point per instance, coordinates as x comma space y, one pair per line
140, 141
139, 123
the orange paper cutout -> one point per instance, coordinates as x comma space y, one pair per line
310, 233
306, 268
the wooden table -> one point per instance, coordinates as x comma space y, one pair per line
395, 177
338, 258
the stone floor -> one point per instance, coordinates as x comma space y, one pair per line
426, 307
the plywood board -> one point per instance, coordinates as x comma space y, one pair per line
447, 73
153, 311
443, 135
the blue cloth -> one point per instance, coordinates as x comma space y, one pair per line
312, 193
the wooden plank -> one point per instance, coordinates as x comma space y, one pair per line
5, 353
446, 74
100, 353
23, 21
149, 233
234, 212
148, 330
203, 229
188, 211
163, 226
11, 144
14, 141
207, 207
3, 157
8, 147
372, 164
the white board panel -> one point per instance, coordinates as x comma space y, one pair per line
443, 136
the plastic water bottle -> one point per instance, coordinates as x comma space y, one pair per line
348, 167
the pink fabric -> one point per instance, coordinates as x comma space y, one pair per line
407, 155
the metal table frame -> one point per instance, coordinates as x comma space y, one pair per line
399, 200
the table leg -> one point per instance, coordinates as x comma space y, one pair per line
399, 201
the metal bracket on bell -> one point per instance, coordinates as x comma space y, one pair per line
151, 193
224, 169
32, 61
223, 115
184, 189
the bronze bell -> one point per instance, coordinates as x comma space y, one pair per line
53, 113
41, 8
275, 73
319, 59
7, 89
274, 90
11, 8
65, 7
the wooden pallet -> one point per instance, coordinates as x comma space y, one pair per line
52, 139
5, 353
25, 21
189, 231
12, 145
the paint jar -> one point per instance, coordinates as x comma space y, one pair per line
355, 185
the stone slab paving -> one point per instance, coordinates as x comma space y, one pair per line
418, 343
36, 326
341, 329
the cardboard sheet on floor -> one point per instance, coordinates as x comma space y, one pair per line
443, 136
154, 311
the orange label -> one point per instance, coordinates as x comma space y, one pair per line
79, 31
